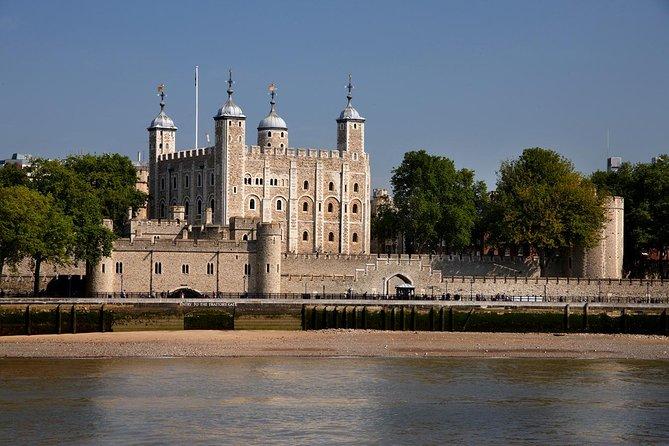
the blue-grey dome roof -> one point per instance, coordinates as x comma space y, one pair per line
230, 110
350, 113
272, 121
162, 121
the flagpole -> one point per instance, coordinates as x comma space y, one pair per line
197, 99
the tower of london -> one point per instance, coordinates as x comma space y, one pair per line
319, 198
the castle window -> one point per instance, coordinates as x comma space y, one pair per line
331, 237
239, 124
245, 237
355, 187
199, 207
247, 269
199, 179
160, 146
331, 186
305, 236
210, 269
269, 144
247, 180
234, 189
174, 182
282, 134
341, 126
158, 268
186, 208
119, 267
187, 181
268, 267
185, 268
229, 123
162, 184
330, 207
162, 210
252, 203
355, 157
305, 185
279, 205
354, 209
167, 145
211, 205
355, 237
103, 268
355, 126
211, 179
282, 145
269, 134
305, 207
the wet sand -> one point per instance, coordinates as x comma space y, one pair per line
332, 343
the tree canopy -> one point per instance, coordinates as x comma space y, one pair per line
434, 202
542, 203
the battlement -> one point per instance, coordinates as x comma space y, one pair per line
186, 245
188, 153
299, 152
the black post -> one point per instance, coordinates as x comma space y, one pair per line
73, 319
413, 318
393, 316
403, 319
303, 317
585, 317
383, 318
451, 320
565, 319
102, 318
664, 322
364, 317
59, 319
27, 317
355, 318
325, 317
431, 316
623, 320
442, 324
335, 317
314, 318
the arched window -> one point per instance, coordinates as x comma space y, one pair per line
331, 237
187, 181
199, 207
330, 207
305, 207
174, 182
162, 209
158, 269
282, 134
355, 187
331, 186
211, 204
355, 208
245, 237
252, 203
305, 236
355, 237
269, 134
211, 179
186, 208
119, 267
279, 205
305, 185
199, 179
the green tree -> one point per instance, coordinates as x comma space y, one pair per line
385, 225
542, 203
112, 178
435, 202
11, 175
19, 223
645, 188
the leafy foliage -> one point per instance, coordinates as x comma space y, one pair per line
541, 202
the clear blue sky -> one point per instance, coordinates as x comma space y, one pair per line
476, 81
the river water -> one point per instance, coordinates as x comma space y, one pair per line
333, 401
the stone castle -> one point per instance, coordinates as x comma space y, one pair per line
269, 218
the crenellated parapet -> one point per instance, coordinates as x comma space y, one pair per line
187, 154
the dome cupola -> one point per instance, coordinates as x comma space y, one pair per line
272, 121
230, 109
349, 113
162, 121
272, 131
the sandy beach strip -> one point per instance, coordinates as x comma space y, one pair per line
332, 343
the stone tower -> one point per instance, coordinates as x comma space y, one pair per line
230, 127
268, 258
272, 130
351, 128
162, 141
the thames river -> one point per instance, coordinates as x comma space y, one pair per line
333, 401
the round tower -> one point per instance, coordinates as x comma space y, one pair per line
272, 130
268, 258
162, 141
100, 278
350, 126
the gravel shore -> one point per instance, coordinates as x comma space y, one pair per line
328, 343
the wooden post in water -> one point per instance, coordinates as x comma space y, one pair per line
73, 319
565, 318
27, 319
664, 323
383, 318
303, 317
59, 319
325, 317
623, 320
413, 318
102, 318
585, 317
392, 318
364, 317
431, 318
442, 324
335, 317
314, 318
403, 319
451, 320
